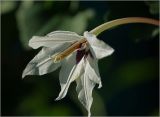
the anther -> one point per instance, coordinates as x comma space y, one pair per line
57, 59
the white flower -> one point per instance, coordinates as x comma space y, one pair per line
78, 57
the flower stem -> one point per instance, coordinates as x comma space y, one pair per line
102, 28
117, 22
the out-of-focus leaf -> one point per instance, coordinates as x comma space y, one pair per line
153, 6
155, 113
39, 104
50, 25
132, 73
74, 5
78, 23
48, 4
29, 20
98, 108
7, 6
61, 110
137, 71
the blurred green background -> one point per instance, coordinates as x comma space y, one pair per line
130, 76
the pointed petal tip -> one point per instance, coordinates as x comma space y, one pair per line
31, 44
89, 113
60, 96
100, 85
23, 75
57, 99
112, 50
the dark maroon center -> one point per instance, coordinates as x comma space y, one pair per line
81, 54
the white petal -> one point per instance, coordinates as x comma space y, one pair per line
63, 33
84, 90
93, 71
42, 63
98, 48
69, 72
85, 85
55, 38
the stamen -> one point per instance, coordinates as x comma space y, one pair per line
57, 59
69, 50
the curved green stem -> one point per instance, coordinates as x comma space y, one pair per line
102, 28
122, 21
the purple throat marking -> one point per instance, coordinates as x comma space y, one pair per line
81, 54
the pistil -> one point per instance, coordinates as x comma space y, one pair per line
69, 50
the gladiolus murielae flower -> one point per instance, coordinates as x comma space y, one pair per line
78, 57
80, 66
